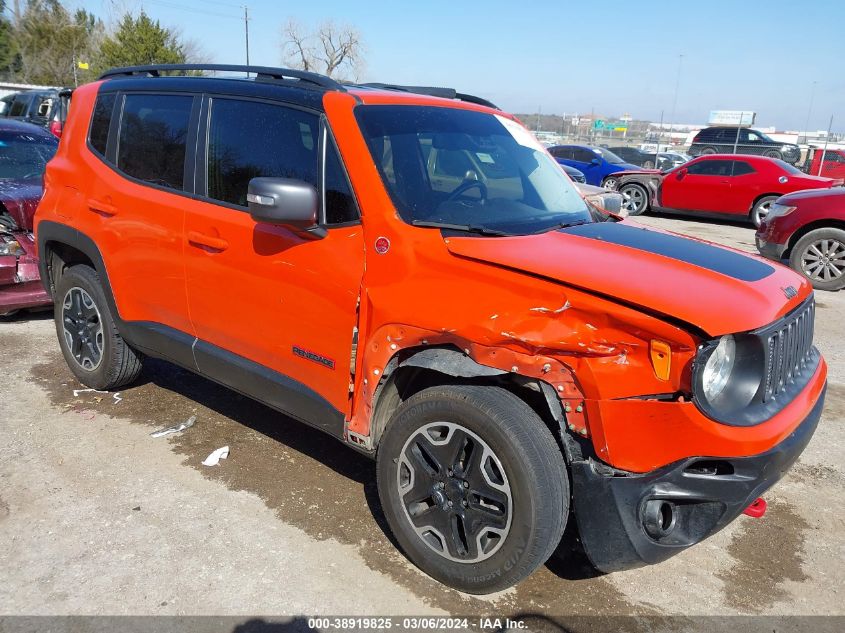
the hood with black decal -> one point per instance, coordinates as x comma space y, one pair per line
716, 289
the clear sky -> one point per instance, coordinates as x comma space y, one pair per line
612, 56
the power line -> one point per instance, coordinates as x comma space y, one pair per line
193, 9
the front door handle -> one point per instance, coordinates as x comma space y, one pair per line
103, 208
201, 239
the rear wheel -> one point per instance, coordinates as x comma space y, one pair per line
649, 164
820, 257
473, 486
761, 209
93, 348
635, 198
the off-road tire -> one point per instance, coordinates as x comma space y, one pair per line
534, 471
707, 151
119, 364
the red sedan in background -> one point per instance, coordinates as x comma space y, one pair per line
808, 229
725, 185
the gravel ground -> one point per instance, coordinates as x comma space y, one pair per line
97, 517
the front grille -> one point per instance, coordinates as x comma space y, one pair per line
789, 349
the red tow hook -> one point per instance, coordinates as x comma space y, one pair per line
756, 509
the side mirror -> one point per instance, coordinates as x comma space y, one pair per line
284, 201
682, 172
595, 161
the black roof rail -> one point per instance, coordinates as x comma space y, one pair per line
434, 91
261, 72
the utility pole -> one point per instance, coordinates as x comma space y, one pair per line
809, 112
824, 149
246, 31
675, 99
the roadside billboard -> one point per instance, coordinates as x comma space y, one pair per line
740, 118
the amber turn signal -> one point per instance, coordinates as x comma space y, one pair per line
661, 358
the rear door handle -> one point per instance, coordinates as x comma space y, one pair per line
103, 208
201, 239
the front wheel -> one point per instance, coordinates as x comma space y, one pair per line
635, 198
820, 257
473, 486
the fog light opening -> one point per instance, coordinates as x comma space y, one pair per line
659, 519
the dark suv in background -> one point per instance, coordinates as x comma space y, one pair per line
721, 140
45, 108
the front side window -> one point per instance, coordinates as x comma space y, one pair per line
582, 155
504, 181
153, 136
609, 156
710, 168
23, 155
248, 139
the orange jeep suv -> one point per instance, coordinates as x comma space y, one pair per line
409, 271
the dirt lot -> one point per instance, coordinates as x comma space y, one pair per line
97, 517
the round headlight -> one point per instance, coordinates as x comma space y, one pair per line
718, 368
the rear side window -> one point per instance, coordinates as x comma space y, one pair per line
153, 134
248, 139
742, 168
100, 121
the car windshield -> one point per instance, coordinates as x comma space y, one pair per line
609, 156
469, 170
23, 156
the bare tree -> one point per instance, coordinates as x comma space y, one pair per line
334, 50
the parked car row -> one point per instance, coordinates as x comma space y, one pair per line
726, 185
25, 150
44, 108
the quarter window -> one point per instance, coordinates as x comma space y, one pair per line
248, 139
100, 122
340, 203
153, 134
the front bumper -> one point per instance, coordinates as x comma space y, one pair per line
639, 519
20, 285
770, 250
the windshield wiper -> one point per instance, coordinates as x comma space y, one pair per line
561, 225
466, 228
